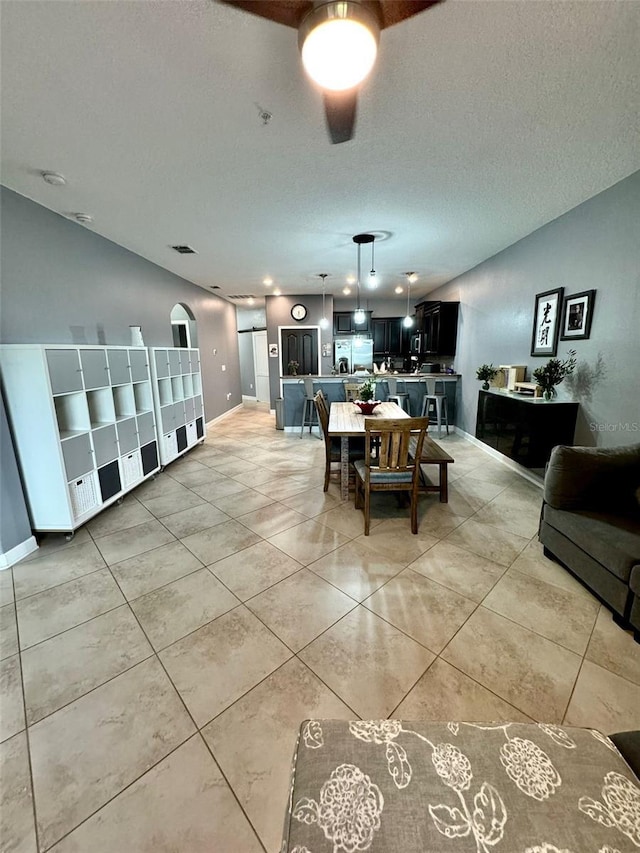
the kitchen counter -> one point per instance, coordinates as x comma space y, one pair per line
331, 385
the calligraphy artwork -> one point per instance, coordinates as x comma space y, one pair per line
546, 322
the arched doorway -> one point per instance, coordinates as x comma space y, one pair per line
183, 326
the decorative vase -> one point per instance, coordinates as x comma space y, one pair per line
367, 406
485, 385
549, 393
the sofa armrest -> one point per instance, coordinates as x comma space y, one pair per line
592, 477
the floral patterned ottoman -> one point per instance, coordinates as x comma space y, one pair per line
403, 787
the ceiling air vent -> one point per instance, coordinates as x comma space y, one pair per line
214, 287
243, 296
184, 250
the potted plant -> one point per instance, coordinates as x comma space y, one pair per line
486, 372
553, 373
293, 368
366, 393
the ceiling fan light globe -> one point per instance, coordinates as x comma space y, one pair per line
339, 54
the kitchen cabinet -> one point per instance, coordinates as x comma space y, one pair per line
387, 335
343, 324
83, 426
438, 322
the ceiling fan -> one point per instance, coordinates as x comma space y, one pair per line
339, 67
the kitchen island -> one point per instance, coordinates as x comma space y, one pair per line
332, 386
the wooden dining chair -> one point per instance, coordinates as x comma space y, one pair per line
394, 469
332, 445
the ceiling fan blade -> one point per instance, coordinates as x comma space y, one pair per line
394, 11
340, 112
287, 12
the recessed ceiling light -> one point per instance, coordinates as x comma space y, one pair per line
351, 279
277, 292
398, 289
83, 218
251, 300
346, 290
268, 281
54, 178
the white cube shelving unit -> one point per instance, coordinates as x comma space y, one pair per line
83, 425
177, 395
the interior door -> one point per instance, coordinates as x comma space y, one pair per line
300, 345
261, 366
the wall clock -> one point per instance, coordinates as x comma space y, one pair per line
298, 312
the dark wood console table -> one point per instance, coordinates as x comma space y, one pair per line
524, 428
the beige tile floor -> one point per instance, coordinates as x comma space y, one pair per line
155, 670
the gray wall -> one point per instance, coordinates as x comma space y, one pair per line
278, 309
594, 246
15, 527
61, 283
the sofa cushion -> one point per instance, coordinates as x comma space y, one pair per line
612, 540
593, 478
393, 786
634, 580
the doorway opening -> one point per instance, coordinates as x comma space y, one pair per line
183, 326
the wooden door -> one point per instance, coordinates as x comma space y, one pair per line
300, 345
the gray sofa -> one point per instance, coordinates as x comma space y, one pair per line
590, 522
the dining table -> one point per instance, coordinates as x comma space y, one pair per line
345, 422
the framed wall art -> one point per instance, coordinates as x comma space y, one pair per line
546, 322
577, 313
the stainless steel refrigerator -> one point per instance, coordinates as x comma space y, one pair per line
357, 351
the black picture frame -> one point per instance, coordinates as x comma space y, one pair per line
546, 322
577, 314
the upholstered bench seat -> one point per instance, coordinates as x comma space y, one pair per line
392, 786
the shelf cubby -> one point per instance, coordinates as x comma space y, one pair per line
72, 414
176, 388
101, 408
124, 401
164, 392
142, 397
187, 385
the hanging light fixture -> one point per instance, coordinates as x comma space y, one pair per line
323, 321
359, 315
373, 280
408, 320
339, 43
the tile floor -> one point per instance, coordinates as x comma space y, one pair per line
155, 670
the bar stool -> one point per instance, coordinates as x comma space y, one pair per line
437, 399
309, 406
399, 397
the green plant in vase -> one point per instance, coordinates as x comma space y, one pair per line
553, 373
367, 390
293, 368
486, 372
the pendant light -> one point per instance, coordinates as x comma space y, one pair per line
359, 315
373, 279
323, 321
408, 319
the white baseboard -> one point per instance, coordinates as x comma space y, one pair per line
500, 457
224, 415
315, 430
10, 558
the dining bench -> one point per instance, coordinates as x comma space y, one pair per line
433, 454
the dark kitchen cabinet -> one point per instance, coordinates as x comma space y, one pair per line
439, 326
344, 324
387, 335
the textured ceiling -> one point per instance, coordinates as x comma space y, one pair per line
481, 122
